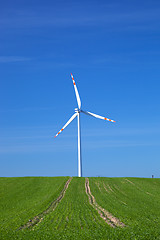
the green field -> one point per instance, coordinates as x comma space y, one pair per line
135, 202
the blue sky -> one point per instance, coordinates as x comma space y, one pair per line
113, 51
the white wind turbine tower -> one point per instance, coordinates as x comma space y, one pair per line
77, 114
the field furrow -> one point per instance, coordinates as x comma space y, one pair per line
23, 198
38, 219
135, 201
105, 215
73, 216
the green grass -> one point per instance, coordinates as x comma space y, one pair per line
135, 201
23, 198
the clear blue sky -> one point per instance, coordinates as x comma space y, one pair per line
113, 50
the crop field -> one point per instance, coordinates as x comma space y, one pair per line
79, 208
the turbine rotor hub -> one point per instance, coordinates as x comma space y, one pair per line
77, 110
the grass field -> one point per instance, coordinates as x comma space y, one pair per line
134, 201
23, 198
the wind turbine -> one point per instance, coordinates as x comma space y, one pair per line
77, 114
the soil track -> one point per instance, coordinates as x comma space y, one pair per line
37, 219
105, 215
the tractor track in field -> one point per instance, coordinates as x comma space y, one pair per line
39, 218
105, 215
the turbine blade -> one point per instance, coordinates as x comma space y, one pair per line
69, 121
76, 91
97, 116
